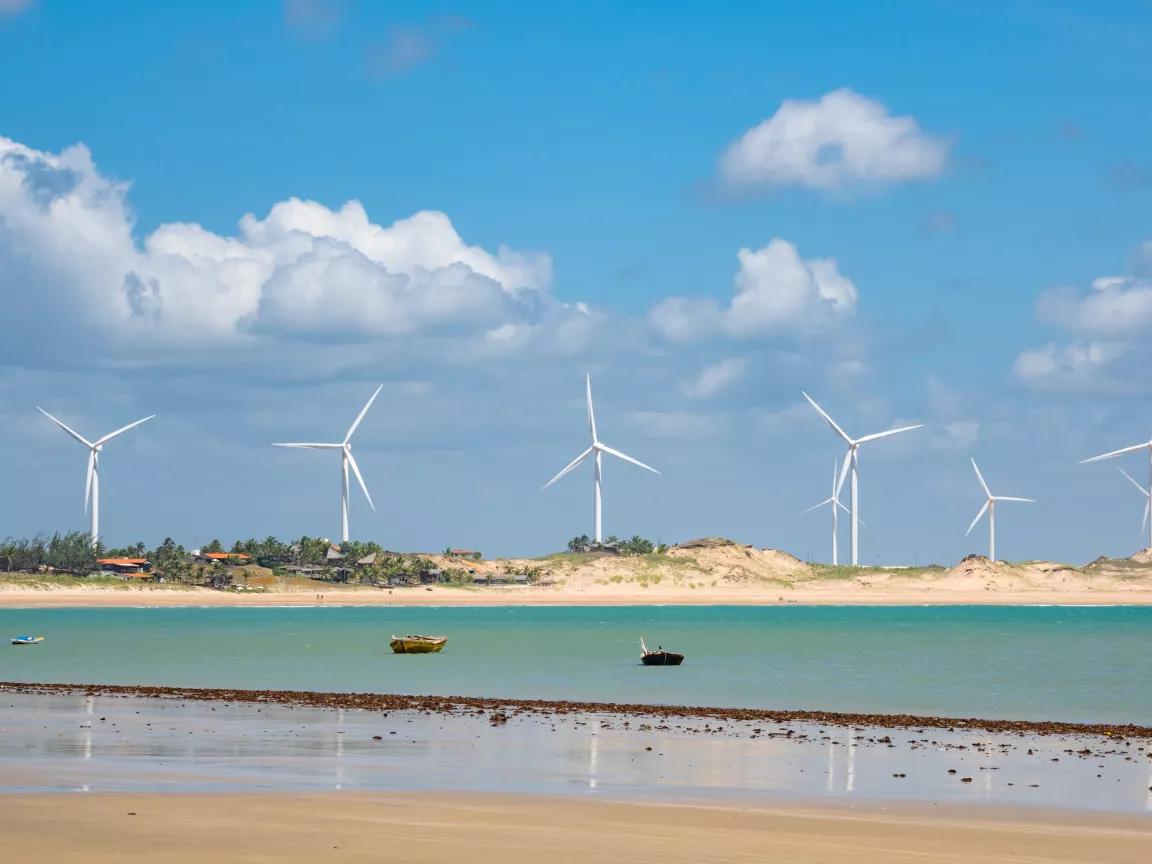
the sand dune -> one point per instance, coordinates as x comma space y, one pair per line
707, 571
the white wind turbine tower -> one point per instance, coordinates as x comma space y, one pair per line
346, 460
990, 507
852, 463
92, 481
596, 450
834, 501
1147, 498
1135, 448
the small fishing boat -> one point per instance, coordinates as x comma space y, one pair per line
659, 657
417, 644
27, 640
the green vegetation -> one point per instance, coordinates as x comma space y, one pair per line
637, 545
67, 553
62, 558
847, 571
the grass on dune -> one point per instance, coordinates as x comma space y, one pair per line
47, 581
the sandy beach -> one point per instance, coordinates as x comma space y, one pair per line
482, 829
830, 595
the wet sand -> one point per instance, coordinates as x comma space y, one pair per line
57, 741
509, 830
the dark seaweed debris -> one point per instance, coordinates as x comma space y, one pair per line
509, 707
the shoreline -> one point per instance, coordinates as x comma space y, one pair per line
98, 597
491, 828
500, 709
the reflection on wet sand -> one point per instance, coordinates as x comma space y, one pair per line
111, 743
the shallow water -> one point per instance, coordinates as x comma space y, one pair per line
71, 744
1057, 663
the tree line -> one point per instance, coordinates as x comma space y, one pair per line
74, 553
636, 545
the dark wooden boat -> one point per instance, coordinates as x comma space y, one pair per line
659, 657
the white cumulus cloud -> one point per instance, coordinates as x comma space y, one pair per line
1106, 350
841, 140
775, 290
1114, 306
68, 255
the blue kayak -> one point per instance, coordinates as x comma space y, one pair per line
27, 640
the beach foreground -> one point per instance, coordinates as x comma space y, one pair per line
508, 829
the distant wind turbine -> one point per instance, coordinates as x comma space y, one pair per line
990, 508
595, 450
1135, 448
834, 501
346, 460
92, 481
852, 463
1147, 498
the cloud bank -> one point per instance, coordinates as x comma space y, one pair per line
68, 256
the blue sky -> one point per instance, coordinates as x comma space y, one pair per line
943, 209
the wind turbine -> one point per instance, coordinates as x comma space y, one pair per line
596, 450
346, 460
92, 481
1135, 448
990, 507
834, 500
1147, 498
852, 463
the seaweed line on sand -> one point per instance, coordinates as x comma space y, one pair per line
472, 704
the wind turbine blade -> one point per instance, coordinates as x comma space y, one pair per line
876, 436
313, 446
1144, 521
569, 467
359, 476
815, 506
843, 473
591, 413
360, 416
849, 512
979, 515
827, 419
627, 458
88, 480
1133, 481
65, 427
1113, 453
980, 477
122, 430
1009, 498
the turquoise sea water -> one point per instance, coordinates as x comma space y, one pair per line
1060, 663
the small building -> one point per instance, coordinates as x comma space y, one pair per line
124, 566
367, 561
432, 576
230, 558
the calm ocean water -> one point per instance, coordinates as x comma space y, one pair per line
1065, 663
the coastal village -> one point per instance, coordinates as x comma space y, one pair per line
705, 570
